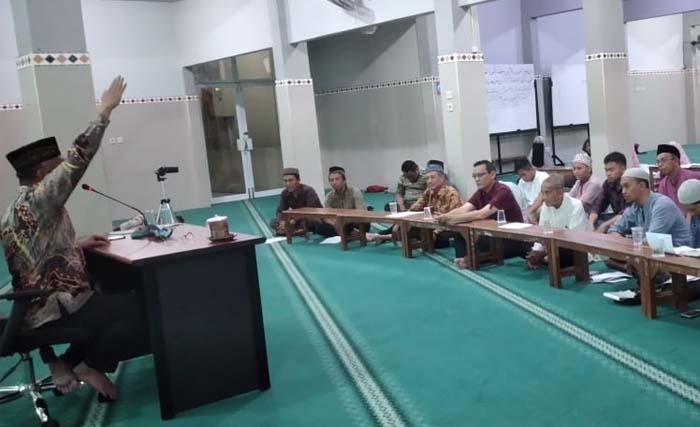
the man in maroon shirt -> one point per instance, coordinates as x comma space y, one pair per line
485, 203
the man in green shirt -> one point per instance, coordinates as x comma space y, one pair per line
341, 196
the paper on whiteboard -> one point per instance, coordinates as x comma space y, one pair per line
510, 93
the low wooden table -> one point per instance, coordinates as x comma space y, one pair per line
530, 234
679, 267
616, 247
342, 217
426, 226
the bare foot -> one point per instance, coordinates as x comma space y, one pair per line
460, 263
97, 380
63, 377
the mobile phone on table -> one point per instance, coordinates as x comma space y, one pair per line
695, 312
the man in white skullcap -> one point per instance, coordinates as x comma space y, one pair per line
653, 211
587, 187
689, 196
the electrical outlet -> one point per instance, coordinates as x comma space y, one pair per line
450, 107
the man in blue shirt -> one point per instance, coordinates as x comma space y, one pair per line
655, 212
689, 196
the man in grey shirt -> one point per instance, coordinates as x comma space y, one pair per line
653, 211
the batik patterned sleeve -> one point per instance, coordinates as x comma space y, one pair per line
54, 190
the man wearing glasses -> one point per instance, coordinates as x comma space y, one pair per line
490, 197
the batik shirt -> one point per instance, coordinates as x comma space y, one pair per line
40, 244
441, 200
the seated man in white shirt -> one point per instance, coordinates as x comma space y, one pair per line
562, 212
519, 196
530, 179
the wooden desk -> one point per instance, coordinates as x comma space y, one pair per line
426, 226
616, 247
531, 234
342, 217
204, 312
678, 266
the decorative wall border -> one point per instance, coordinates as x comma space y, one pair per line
158, 99
662, 72
382, 85
294, 82
605, 55
143, 100
10, 107
461, 57
52, 59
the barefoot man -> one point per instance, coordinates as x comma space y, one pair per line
42, 252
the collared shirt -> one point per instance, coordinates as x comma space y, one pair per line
441, 200
303, 197
519, 196
411, 191
695, 231
587, 192
658, 215
499, 197
669, 187
610, 196
532, 189
40, 245
348, 198
570, 215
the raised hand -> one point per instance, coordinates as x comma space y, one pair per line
112, 96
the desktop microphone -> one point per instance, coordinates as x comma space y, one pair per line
88, 188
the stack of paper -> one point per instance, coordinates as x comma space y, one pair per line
687, 251
688, 278
515, 226
612, 277
620, 296
403, 214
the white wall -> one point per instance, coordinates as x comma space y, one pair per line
214, 29
560, 40
655, 44
500, 28
135, 39
9, 80
311, 19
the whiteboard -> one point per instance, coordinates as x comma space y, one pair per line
511, 97
569, 94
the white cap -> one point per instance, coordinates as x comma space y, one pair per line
637, 173
689, 192
584, 159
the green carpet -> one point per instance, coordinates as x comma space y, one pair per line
442, 347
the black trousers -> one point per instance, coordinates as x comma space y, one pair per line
326, 230
108, 329
511, 248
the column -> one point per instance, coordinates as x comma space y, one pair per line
57, 92
296, 106
463, 91
606, 75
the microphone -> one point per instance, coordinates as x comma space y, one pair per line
89, 188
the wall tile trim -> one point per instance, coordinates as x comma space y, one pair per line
293, 82
144, 100
382, 85
461, 57
600, 56
41, 59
